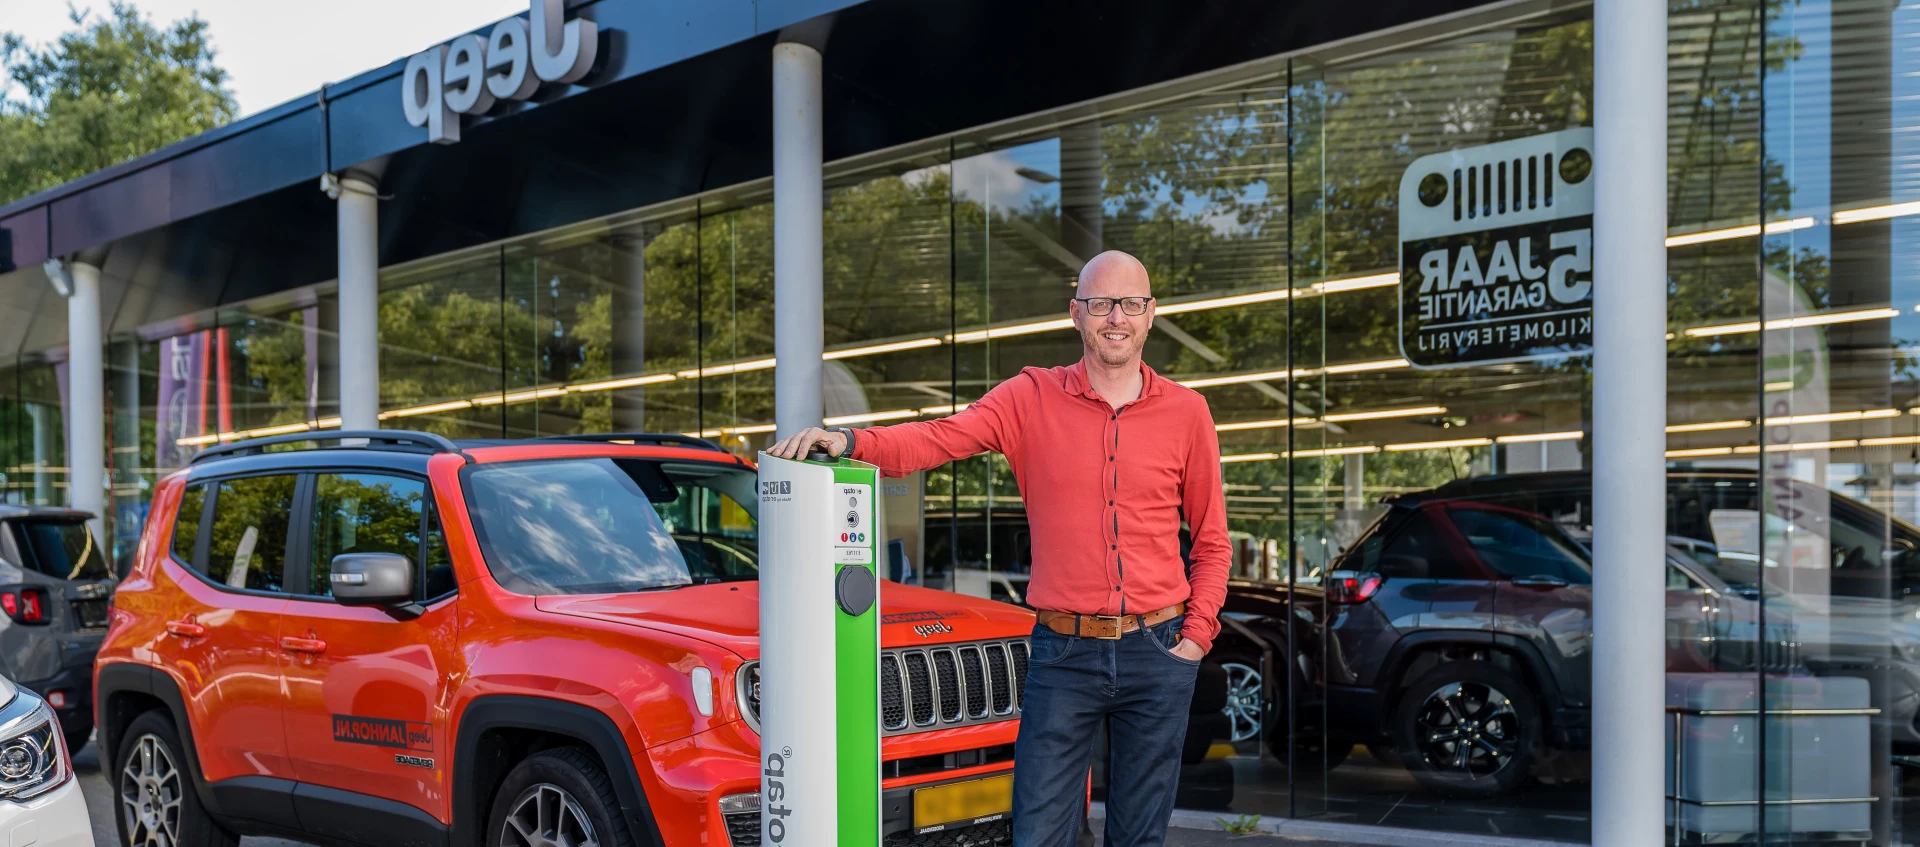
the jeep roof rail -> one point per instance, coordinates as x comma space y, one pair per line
377, 439
661, 438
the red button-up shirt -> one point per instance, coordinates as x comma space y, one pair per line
1105, 489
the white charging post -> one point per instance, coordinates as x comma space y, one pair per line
819, 653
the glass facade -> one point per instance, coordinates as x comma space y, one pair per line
1374, 262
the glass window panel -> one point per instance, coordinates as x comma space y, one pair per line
363, 513
248, 548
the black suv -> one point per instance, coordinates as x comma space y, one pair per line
1456, 630
55, 588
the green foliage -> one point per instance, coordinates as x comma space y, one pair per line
115, 88
1243, 825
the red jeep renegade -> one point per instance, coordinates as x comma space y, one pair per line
406, 642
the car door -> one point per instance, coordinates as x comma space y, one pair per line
366, 710
230, 546
1543, 588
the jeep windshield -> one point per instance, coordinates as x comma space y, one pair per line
604, 526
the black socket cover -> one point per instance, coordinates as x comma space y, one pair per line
854, 589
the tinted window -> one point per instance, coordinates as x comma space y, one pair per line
587, 526
60, 549
438, 579
1515, 545
186, 521
1411, 548
248, 548
363, 513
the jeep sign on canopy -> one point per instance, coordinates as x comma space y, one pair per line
1496, 252
466, 76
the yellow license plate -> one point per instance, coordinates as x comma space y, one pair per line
962, 803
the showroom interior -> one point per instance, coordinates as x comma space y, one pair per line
1273, 188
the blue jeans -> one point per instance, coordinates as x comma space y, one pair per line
1141, 692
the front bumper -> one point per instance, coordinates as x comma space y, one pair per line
55, 819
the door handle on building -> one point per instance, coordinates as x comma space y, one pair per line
185, 628
303, 645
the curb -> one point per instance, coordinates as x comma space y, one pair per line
1349, 833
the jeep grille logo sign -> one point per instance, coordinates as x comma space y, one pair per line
1496, 252
469, 74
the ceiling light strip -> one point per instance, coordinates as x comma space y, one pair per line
1876, 213
1535, 437
1437, 445
1823, 319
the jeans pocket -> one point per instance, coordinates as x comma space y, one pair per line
1170, 631
1046, 647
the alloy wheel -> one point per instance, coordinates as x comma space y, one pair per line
1246, 700
547, 816
150, 795
1469, 728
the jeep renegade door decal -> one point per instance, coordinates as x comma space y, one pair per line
383, 732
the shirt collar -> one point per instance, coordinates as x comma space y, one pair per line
1076, 381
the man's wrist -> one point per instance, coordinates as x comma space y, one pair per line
846, 434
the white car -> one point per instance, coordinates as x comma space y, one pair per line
40, 801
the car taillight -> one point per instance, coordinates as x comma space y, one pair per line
1349, 587
25, 604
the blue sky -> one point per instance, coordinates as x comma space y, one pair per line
277, 50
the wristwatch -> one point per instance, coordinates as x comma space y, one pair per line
846, 433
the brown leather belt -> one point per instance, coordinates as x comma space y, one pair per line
1106, 627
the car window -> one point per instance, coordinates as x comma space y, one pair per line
599, 525
1413, 549
438, 581
186, 520
363, 513
1678, 580
248, 548
1516, 545
60, 549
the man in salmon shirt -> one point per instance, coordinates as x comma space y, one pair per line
1111, 458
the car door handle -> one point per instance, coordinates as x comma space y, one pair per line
1540, 581
185, 629
303, 645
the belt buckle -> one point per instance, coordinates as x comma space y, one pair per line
1116, 619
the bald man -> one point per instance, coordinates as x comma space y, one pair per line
1110, 458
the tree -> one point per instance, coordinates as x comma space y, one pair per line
115, 88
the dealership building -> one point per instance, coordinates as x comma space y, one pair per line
1411, 253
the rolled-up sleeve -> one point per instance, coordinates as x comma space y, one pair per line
1203, 502
988, 425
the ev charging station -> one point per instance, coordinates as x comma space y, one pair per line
819, 652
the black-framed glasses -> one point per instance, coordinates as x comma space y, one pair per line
1101, 307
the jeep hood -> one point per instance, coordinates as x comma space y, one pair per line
728, 614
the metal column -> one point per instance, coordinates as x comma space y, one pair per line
798, 291
359, 207
86, 399
1629, 418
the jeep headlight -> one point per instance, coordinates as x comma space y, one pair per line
33, 758
747, 691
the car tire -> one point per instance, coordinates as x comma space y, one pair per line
1468, 729
156, 804
566, 787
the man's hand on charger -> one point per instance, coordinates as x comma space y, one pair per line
797, 445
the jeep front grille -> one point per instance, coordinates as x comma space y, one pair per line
926, 688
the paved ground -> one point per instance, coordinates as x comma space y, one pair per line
93, 783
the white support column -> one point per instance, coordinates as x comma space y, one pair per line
798, 291
86, 399
1629, 418
359, 303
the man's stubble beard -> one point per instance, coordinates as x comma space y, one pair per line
1091, 342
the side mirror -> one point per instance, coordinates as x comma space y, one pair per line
374, 579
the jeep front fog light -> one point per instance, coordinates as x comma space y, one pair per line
740, 804
33, 759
